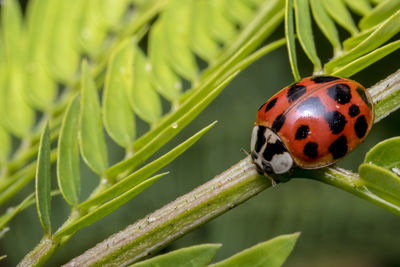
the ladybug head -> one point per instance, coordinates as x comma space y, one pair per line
268, 152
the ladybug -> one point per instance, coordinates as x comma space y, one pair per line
311, 124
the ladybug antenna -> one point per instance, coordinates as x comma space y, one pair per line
244, 151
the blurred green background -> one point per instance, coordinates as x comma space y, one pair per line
338, 229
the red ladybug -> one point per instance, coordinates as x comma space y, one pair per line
311, 124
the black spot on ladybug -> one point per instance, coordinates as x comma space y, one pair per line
311, 150
260, 138
273, 149
295, 91
302, 132
340, 93
361, 126
312, 106
278, 123
338, 148
270, 104
354, 110
363, 96
324, 79
336, 121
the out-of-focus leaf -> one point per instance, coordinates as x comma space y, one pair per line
219, 25
380, 13
364, 61
118, 115
63, 54
386, 184
166, 80
143, 173
12, 31
113, 11
325, 23
107, 208
290, 39
361, 7
195, 256
11, 212
201, 38
43, 180
92, 142
68, 154
386, 154
142, 95
5, 146
271, 253
304, 32
177, 16
383, 33
41, 91
338, 11
239, 11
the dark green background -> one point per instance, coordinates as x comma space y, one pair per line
338, 229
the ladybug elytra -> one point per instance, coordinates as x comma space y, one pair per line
311, 124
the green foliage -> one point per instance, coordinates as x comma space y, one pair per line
59, 59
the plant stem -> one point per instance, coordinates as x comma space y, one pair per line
179, 217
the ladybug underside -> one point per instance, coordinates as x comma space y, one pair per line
317, 120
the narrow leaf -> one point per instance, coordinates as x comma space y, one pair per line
5, 146
167, 82
194, 256
201, 39
325, 23
220, 26
239, 12
176, 22
142, 95
11, 16
380, 13
43, 180
13, 211
304, 32
361, 7
338, 11
118, 116
382, 34
272, 253
354, 40
113, 11
364, 61
167, 132
144, 172
386, 184
290, 39
106, 208
386, 155
92, 142
68, 154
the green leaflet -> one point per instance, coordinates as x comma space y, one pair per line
386, 155
176, 29
167, 82
271, 253
194, 256
382, 34
290, 39
63, 53
201, 38
113, 12
43, 180
239, 11
11, 18
384, 183
68, 175
92, 142
354, 40
105, 209
5, 146
143, 173
12, 212
118, 115
325, 23
364, 61
304, 32
338, 11
41, 91
361, 7
142, 96
218, 23
380, 13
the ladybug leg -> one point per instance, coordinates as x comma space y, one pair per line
273, 182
